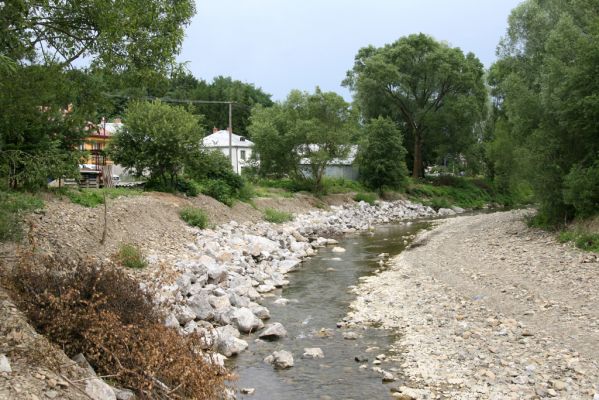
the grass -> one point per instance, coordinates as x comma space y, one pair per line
194, 216
583, 240
447, 191
13, 205
369, 198
130, 256
94, 197
276, 216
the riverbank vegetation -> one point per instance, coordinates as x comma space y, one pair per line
102, 313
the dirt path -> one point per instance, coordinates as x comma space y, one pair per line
490, 309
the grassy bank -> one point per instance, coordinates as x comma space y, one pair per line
584, 234
471, 193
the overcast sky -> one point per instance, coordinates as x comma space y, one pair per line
280, 45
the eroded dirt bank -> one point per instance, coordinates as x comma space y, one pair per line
487, 308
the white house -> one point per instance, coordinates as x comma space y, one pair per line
241, 148
336, 168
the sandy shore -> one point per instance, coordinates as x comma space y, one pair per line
487, 308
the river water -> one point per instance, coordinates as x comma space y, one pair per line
318, 298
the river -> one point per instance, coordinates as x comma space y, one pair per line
319, 297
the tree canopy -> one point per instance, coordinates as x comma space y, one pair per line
545, 88
158, 139
382, 156
245, 95
315, 126
46, 103
433, 91
114, 34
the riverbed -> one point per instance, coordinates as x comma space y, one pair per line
318, 298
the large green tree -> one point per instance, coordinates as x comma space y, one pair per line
382, 156
434, 91
317, 127
545, 87
158, 139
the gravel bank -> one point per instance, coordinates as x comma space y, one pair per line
487, 308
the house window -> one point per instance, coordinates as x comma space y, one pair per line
242, 154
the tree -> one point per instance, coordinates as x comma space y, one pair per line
382, 156
115, 34
184, 86
545, 88
316, 126
157, 138
43, 113
435, 92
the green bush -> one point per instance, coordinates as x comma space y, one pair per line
219, 190
12, 207
276, 216
581, 190
369, 198
194, 216
340, 185
438, 202
130, 256
189, 187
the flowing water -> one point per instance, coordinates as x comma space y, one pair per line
318, 298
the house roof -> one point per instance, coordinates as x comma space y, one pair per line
221, 139
349, 160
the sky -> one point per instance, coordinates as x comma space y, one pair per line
280, 45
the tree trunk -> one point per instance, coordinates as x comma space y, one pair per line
417, 170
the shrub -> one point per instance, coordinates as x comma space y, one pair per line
439, 202
276, 216
100, 311
130, 256
581, 190
219, 190
189, 187
369, 198
194, 216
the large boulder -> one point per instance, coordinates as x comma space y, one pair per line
200, 305
288, 265
219, 303
273, 332
217, 273
244, 319
313, 352
259, 311
230, 346
258, 244
280, 359
184, 314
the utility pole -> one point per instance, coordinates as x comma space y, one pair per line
231, 132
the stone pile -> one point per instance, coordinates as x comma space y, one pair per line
218, 290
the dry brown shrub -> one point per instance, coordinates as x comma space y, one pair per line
100, 311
